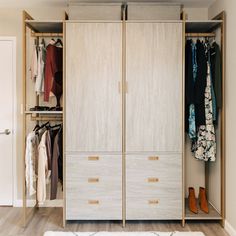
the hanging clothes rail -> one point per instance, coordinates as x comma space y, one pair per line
35, 34
199, 35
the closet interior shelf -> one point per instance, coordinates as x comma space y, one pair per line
212, 215
202, 26
45, 26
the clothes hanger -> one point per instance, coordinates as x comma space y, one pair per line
36, 127
44, 125
58, 42
55, 126
43, 42
52, 41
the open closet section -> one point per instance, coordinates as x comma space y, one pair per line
205, 119
43, 113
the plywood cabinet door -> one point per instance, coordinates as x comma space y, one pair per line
93, 74
154, 77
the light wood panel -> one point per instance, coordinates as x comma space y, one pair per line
154, 97
153, 187
94, 187
93, 74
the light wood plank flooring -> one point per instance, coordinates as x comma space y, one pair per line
51, 219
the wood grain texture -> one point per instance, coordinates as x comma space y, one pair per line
50, 219
166, 191
98, 200
154, 76
93, 71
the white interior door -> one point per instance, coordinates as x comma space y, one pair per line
6, 120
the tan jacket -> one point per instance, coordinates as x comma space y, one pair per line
43, 170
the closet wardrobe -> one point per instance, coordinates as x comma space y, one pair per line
124, 144
123, 120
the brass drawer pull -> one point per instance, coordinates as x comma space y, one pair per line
93, 202
153, 158
153, 180
93, 158
93, 180
153, 202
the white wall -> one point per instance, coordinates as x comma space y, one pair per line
230, 7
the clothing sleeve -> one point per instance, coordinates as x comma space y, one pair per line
200, 84
40, 75
218, 77
30, 174
189, 83
42, 171
49, 71
54, 176
34, 64
48, 148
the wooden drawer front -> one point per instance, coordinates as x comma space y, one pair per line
154, 186
93, 187
167, 207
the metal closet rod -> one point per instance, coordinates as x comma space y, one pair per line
200, 34
34, 34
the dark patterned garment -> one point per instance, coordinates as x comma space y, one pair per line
205, 146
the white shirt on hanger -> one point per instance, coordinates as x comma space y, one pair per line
31, 157
43, 171
34, 64
39, 81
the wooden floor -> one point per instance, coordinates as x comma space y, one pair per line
51, 219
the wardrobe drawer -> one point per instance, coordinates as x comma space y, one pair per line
94, 187
167, 207
163, 168
84, 166
93, 207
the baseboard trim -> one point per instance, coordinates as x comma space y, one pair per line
230, 229
47, 203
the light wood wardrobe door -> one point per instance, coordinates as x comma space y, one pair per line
154, 77
93, 73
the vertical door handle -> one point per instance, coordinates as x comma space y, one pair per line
6, 132
125, 87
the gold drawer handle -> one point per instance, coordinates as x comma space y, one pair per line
93, 158
153, 180
153, 202
93, 180
93, 202
153, 158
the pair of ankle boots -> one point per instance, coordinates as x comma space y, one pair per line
192, 201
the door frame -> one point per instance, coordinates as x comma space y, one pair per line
14, 117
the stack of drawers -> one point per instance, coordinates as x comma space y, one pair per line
94, 187
153, 187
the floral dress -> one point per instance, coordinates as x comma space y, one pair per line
205, 146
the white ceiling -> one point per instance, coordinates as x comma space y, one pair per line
64, 3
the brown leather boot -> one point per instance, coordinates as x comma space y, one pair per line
203, 200
192, 202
